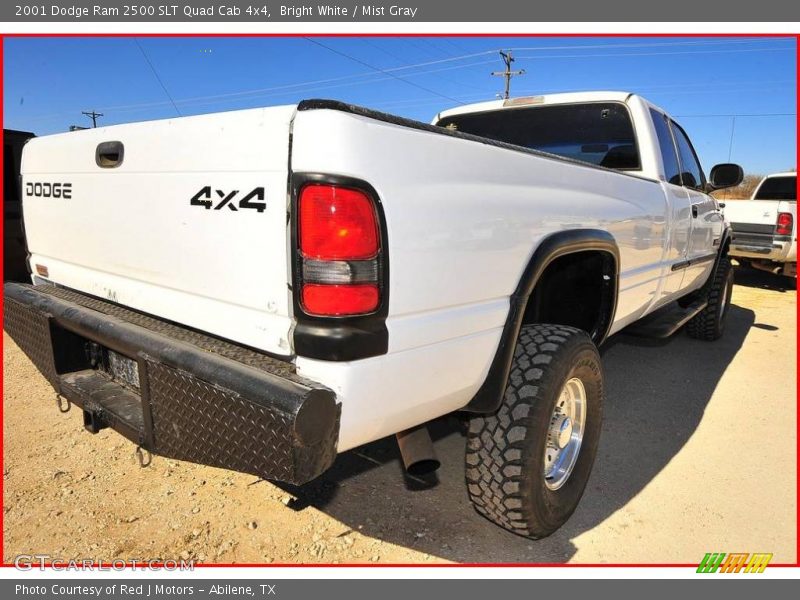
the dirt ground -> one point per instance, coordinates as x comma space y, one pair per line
698, 454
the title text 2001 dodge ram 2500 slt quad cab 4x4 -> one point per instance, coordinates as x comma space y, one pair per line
260, 290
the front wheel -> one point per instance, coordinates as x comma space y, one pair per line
709, 323
527, 464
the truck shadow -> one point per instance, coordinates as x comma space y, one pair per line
656, 399
753, 278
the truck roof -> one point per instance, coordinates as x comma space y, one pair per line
523, 101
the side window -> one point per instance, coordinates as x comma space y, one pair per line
669, 155
691, 173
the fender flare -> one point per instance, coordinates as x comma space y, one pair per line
724, 245
487, 399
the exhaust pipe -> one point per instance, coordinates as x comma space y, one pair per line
416, 448
768, 267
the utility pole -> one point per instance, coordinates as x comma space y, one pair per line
508, 73
93, 116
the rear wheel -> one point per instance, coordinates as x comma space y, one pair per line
709, 323
527, 465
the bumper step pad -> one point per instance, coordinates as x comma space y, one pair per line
200, 399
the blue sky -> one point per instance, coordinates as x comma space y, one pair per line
702, 81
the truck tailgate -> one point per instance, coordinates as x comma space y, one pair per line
183, 218
752, 215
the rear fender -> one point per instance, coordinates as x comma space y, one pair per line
489, 396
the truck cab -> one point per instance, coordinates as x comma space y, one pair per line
626, 133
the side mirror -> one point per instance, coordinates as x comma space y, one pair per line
725, 175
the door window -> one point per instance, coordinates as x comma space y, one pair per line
669, 155
691, 172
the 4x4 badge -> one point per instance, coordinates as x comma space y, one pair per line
254, 199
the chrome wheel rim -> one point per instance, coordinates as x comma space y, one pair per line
565, 434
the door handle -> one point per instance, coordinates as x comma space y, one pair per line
694, 210
109, 155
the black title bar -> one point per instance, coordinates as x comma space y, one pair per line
471, 11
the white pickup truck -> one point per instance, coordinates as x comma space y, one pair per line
260, 290
765, 227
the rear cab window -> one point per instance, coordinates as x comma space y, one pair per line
778, 188
600, 133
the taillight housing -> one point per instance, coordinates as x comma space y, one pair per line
339, 249
784, 224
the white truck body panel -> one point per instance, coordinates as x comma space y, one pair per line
463, 220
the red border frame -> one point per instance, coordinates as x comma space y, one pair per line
796, 36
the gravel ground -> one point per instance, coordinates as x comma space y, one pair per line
698, 454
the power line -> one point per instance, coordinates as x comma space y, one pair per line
730, 145
372, 44
388, 71
369, 75
475, 97
450, 79
200, 101
385, 72
658, 44
688, 52
786, 114
400, 60
158, 78
210, 99
266, 92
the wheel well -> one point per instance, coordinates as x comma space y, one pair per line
576, 289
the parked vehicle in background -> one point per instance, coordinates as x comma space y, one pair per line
260, 290
15, 267
765, 227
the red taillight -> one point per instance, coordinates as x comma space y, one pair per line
337, 223
339, 243
338, 300
784, 225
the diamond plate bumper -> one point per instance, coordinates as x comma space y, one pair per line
200, 399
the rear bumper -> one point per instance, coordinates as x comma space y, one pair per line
199, 398
765, 247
